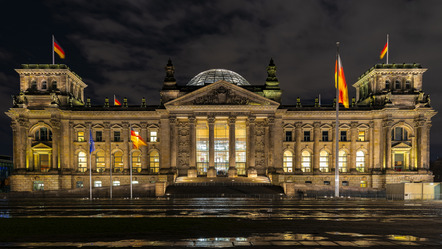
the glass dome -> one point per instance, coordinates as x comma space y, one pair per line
214, 75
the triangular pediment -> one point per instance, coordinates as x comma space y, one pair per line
41, 146
401, 145
222, 93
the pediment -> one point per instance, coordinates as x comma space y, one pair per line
222, 93
41, 146
401, 145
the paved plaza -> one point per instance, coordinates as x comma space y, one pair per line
220, 222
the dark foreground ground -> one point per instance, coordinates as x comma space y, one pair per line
228, 222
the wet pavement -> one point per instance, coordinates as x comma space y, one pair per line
223, 222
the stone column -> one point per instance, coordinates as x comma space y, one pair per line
333, 153
30, 153
251, 171
353, 137
232, 151
55, 143
370, 160
72, 138
64, 151
144, 149
173, 144
270, 131
88, 153
15, 145
316, 138
387, 142
107, 146
126, 147
22, 143
377, 146
277, 138
165, 153
192, 171
211, 172
298, 131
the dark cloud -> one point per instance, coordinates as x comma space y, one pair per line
121, 47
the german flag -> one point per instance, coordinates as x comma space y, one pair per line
58, 49
384, 51
136, 139
339, 76
116, 102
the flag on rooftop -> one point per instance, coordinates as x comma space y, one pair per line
339, 77
116, 102
58, 49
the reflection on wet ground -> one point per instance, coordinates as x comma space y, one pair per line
332, 219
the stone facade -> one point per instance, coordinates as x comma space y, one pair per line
220, 129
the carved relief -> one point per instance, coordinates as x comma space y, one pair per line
183, 144
221, 95
260, 144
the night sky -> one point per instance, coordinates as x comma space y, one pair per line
121, 47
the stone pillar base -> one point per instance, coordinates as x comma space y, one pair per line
192, 172
160, 188
251, 172
232, 172
211, 172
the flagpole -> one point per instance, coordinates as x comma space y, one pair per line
90, 165
53, 56
130, 163
337, 123
388, 47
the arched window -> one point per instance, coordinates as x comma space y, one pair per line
118, 161
399, 134
342, 161
306, 161
154, 162
34, 84
407, 84
360, 161
81, 162
54, 85
387, 84
323, 161
44, 85
136, 161
288, 161
43, 134
397, 84
99, 161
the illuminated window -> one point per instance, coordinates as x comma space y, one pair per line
118, 161
81, 162
306, 161
153, 136
99, 161
115, 183
97, 184
360, 161
80, 136
202, 147
363, 184
154, 162
45, 162
342, 161
221, 147
136, 161
288, 161
323, 161
39, 186
240, 147
79, 184
324, 136
361, 136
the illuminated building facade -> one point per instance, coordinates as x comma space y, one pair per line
220, 125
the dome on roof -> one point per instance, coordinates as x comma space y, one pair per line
214, 75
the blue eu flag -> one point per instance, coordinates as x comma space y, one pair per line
91, 143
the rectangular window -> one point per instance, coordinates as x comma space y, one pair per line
98, 136
326, 182
39, 186
306, 136
80, 136
288, 136
308, 182
117, 137
240, 146
79, 184
116, 183
97, 184
324, 136
343, 136
361, 136
344, 183
363, 184
44, 162
202, 147
221, 131
153, 136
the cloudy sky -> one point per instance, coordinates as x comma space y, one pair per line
121, 47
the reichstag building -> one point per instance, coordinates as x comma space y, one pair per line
220, 125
